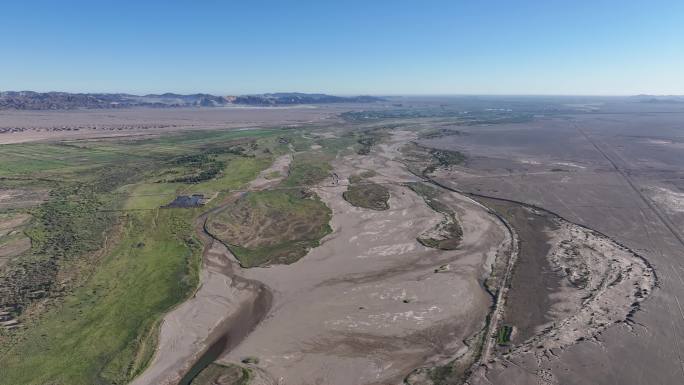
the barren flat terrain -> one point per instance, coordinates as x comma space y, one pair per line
27, 126
619, 173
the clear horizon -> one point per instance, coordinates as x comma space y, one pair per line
391, 48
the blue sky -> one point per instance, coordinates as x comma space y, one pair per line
344, 47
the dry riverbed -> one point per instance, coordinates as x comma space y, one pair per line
371, 300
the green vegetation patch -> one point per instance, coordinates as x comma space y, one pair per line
147, 196
237, 173
70, 223
218, 374
366, 194
198, 168
308, 169
368, 138
503, 336
95, 335
474, 115
267, 227
423, 160
438, 133
447, 158
367, 143
37, 158
447, 234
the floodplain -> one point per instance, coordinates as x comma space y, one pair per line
449, 241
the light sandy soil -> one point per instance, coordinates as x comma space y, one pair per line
672, 201
13, 248
18, 243
31, 126
222, 310
10, 222
368, 301
17, 198
366, 307
266, 179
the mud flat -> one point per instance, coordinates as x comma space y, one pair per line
533, 280
371, 304
569, 284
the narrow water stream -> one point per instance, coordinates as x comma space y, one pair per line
236, 327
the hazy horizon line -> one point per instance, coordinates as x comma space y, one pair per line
376, 94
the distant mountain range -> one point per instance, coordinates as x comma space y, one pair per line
642, 98
30, 100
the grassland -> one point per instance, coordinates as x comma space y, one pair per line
458, 116
237, 173
115, 261
308, 169
267, 227
282, 225
447, 158
366, 194
22, 159
154, 267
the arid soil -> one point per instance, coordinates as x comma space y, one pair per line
18, 198
371, 300
223, 303
28, 126
272, 175
590, 287
618, 173
12, 240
